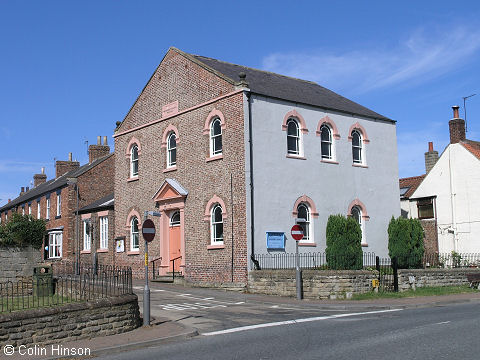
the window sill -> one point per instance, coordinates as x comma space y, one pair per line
173, 168
213, 158
58, 217
312, 244
360, 166
135, 252
102, 250
132, 179
85, 252
329, 161
214, 247
296, 157
364, 245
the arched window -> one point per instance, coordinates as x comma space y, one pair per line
171, 150
357, 150
134, 243
216, 225
175, 218
326, 140
215, 137
357, 214
293, 137
304, 213
134, 161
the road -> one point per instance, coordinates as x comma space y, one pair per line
440, 332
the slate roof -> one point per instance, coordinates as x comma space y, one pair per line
107, 202
52, 185
287, 88
411, 183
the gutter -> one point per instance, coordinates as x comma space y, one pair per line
252, 207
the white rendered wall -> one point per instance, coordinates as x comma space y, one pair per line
455, 176
280, 181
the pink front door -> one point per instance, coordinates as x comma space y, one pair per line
174, 240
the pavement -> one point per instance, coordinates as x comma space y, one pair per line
164, 329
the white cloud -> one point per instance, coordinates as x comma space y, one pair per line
423, 56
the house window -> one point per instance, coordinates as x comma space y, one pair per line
134, 244
23, 210
134, 161
216, 225
356, 213
304, 213
87, 235
103, 232
216, 137
54, 245
171, 150
29, 209
175, 219
47, 216
59, 205
293, 137
357, 147
326, 140
425, 208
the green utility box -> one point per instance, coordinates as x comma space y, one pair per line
43, 281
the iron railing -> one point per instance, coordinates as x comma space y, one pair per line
69, 283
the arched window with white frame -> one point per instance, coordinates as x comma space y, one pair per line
293, 137
357, 147
216, 147
357, 214
216, 225
326, 142
303, 211
134, 161
171, 150
134, 240
175, 219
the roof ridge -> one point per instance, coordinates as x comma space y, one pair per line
413, 177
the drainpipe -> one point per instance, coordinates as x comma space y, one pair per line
250, 144
452, 201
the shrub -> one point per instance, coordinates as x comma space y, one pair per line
22, 230
344, 249
405, 242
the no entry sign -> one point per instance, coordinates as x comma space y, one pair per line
148, 230
297, 232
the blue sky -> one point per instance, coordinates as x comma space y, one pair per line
70, 69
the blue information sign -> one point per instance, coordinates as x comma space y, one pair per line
275, 240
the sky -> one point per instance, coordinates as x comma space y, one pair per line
69, 70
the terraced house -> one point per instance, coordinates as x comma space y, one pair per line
229, 155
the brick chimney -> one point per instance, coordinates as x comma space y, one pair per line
431, 157
39, 178
457, 127
97, 151
62, 167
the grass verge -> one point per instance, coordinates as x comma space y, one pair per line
423, 291
19, 303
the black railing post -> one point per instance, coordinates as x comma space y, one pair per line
395, 274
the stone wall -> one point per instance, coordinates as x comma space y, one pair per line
433, 277
316, 284
18, 263
69, 322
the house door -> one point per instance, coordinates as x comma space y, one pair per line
174, 241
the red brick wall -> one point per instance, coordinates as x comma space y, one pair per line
182, 80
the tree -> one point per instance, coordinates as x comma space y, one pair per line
405, 242
22, 230
344, 249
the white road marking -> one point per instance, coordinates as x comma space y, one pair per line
441, 323
189, 306
151, 290
289, 322
211, 299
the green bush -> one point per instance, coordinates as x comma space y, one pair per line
22, 230
405, 242
344, 249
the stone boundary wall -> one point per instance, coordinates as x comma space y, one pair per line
18, 263
329, 284
69, 322
317, 284
433, 277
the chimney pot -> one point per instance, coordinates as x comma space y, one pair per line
99, 141
43, 170
27, 189
105, 141
22, 190
70, 156
430, 146
455, 112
